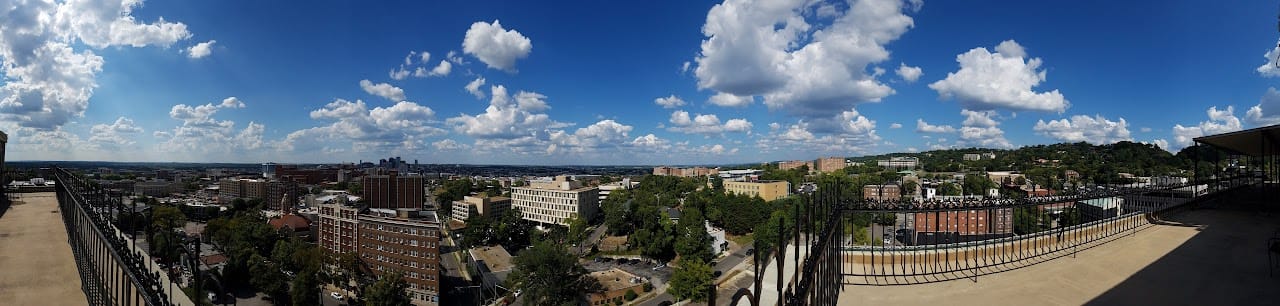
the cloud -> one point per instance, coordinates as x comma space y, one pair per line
201, 50
1270, 68
507, 117
231, 102
1144, 129
980, 129
203, 136
1095, 130
669, 102
48, 76
1267, 112
442, 69
804, 64
708, 124
449, 145
1220, 121
729, 100
925, 127
1001, 80
908, 73
395, 94
895, 125
473, 87
403, 127
114, 135
496, 47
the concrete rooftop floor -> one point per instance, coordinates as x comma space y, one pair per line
1203, 257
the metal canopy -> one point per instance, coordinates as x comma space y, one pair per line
1262, 141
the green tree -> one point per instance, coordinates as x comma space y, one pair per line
1027, 220
165, 242
266, 276
977, 184
577, 228
691, 281
305, 289
909, 188
617, 216
549, 275
949, 189
693, 241
387, 291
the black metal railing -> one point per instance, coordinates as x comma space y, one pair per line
113, 271
847, 241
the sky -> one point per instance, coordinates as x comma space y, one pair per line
621, 83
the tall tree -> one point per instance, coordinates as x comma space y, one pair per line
693, 242
691, 281
387, 291
549, 275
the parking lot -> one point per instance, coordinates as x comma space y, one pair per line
641, 268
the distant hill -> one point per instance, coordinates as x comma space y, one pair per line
1100, 162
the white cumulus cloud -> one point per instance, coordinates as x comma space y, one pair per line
1004, 80
925, 127
201, 50
729, 100
1095, 130
1220, 121
671, 101
708, 124
395, 94
802, 63
496, 47
908, 73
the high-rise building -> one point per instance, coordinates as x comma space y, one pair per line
393, 190
553, 201
767, 190
404, 242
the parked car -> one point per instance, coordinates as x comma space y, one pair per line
336, 295
751, 251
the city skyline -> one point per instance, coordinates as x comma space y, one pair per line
634, 84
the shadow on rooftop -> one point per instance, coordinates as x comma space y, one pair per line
1225, 263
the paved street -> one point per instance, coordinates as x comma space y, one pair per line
725, 266
592, 239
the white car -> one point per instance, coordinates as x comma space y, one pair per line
336, 296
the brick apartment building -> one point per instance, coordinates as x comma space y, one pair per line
406, 242
393, 190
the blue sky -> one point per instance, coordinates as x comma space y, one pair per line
580, 82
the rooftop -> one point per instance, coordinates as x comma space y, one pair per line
1199, 257
615, 279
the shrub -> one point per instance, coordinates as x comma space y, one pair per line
631, 295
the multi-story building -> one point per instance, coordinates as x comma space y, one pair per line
606, 189
404, 242
270, 192
337, 230
788, 165
685, 172
479, 206
830, 164
964, 225
154, 188
394, 190
554, 201
767, 190
901, 162
881, 192
972, 156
